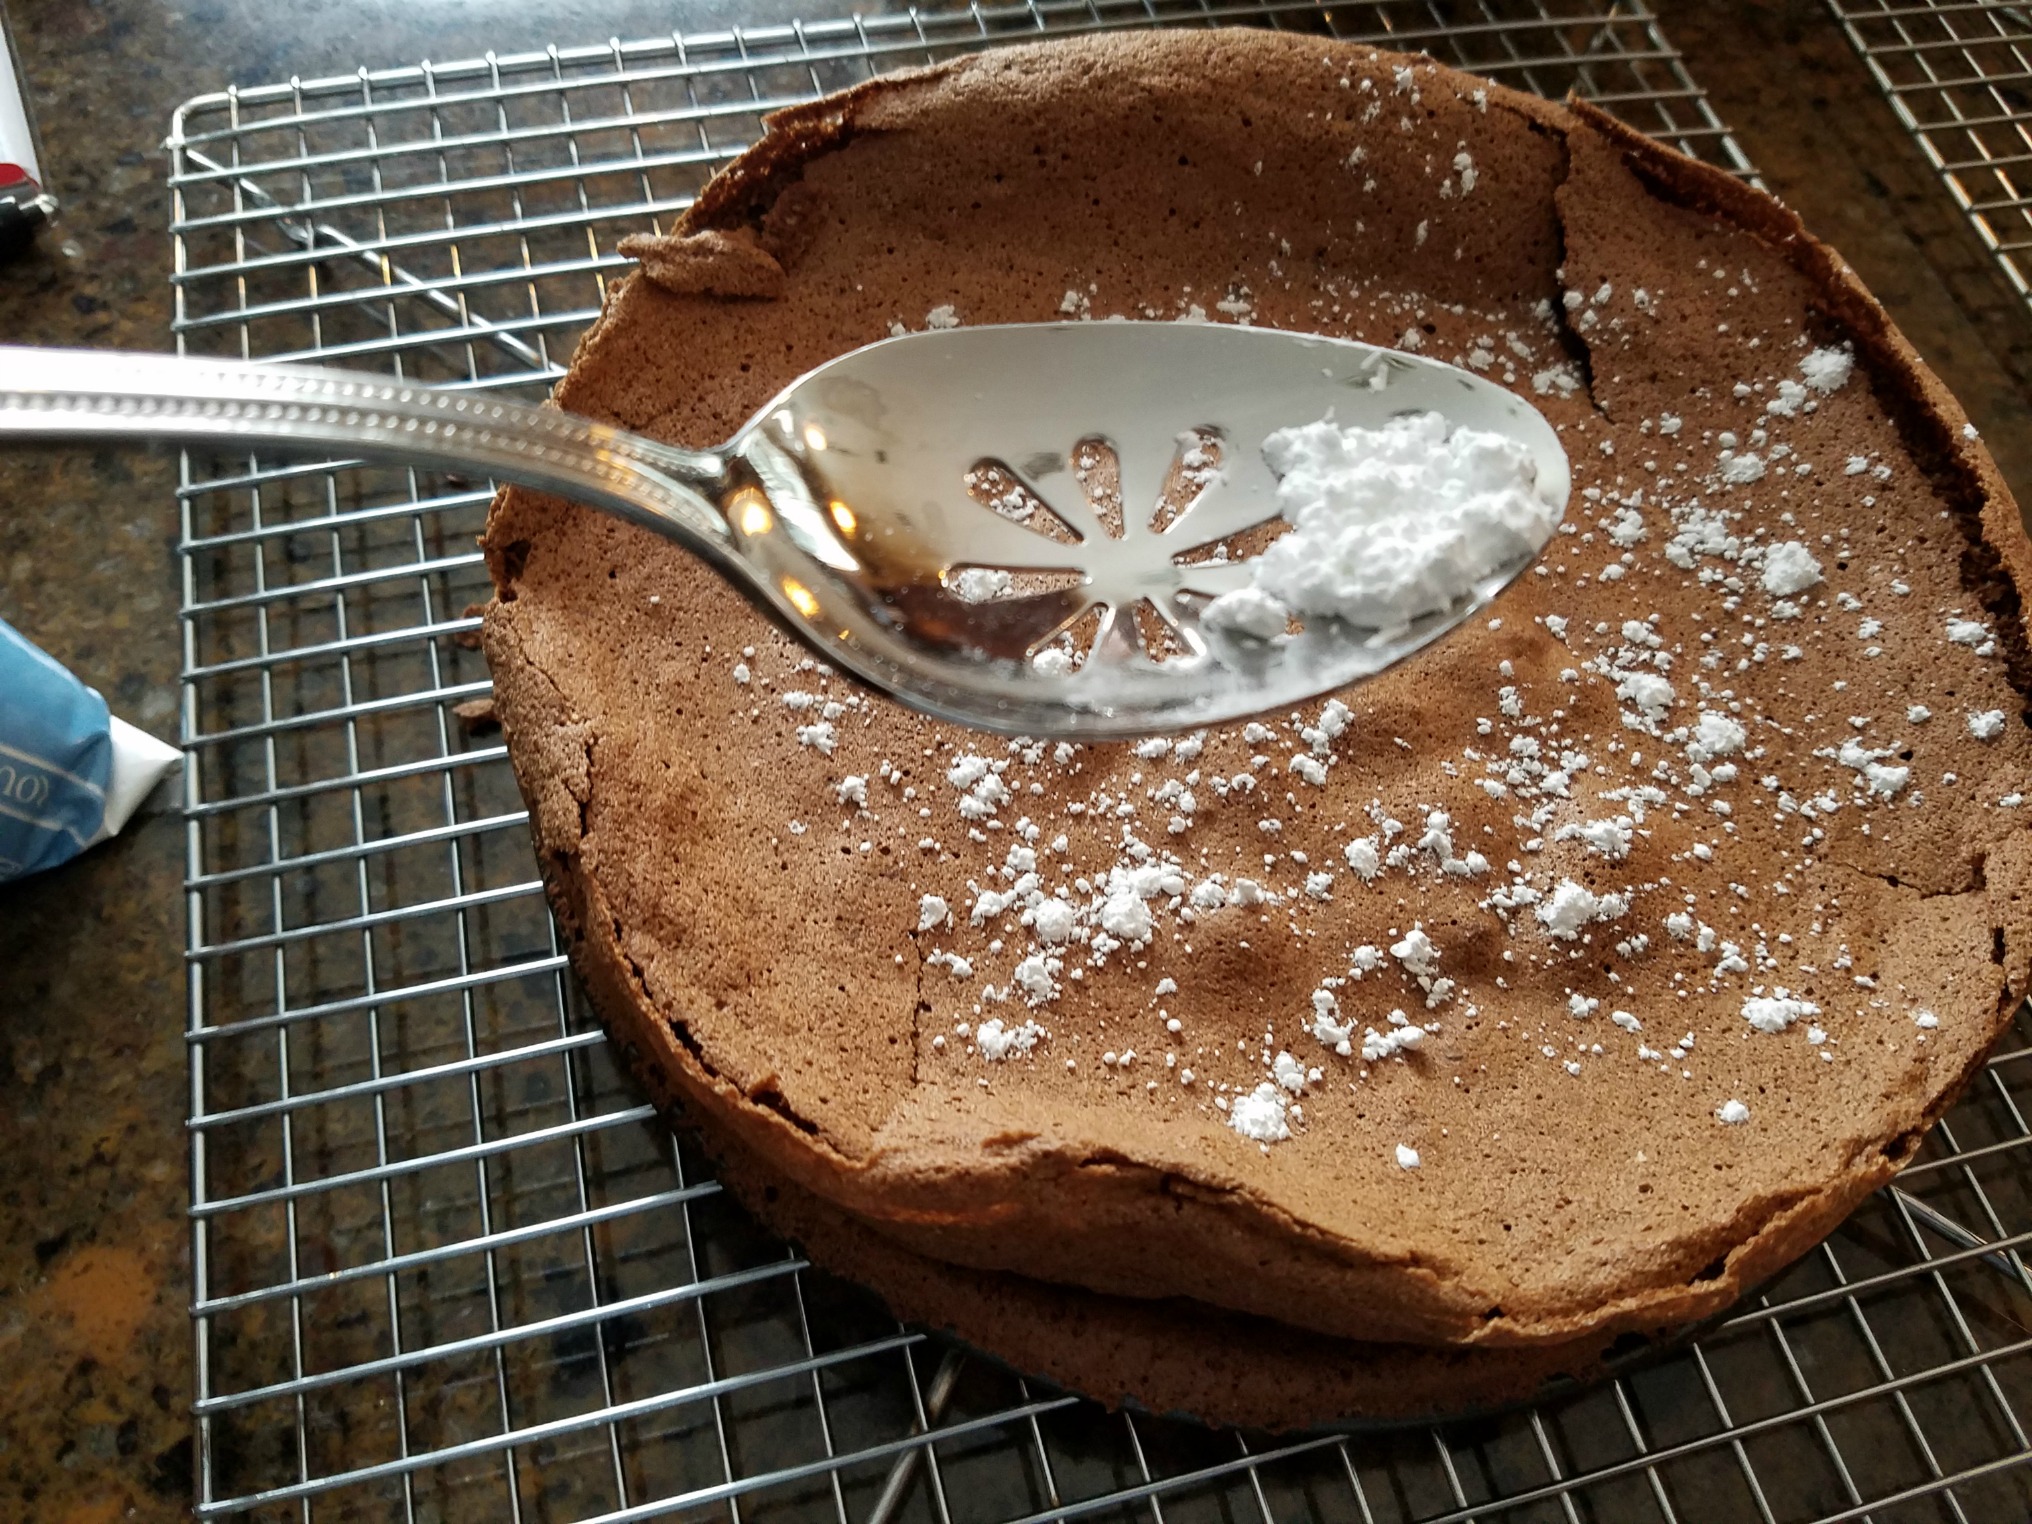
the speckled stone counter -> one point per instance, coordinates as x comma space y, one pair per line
94, 1283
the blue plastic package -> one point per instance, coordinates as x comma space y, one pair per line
70, 773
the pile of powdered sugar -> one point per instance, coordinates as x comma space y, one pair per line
1387, 524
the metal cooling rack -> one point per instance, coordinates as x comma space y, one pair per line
1959, 77
447, 1265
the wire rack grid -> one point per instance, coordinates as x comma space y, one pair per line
446, 1264
1959, 77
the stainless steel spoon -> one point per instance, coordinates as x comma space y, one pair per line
872, 508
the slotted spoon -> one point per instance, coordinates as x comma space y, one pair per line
858, 508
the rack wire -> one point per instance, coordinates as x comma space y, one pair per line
447, 1265
1959, 78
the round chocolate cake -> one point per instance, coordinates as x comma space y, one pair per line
1556, 986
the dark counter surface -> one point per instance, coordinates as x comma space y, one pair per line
94, 1277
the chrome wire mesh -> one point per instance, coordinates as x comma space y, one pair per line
447, 1265
1959, 78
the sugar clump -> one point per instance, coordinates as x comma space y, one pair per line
1260, 1115
1388, 523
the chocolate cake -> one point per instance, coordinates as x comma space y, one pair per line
1558, 984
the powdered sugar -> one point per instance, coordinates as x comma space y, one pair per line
1776, 1011
1611, 838
1827, 370
980, 584
1714, 735
1248, 611
1260, 1114
1651, 694
1398, 1037
1388, 523
1740, 470
1969, 632
1876, 775
1416, 952
1035, 977
997, 1042
1789, 569
1052, 920
1571, 907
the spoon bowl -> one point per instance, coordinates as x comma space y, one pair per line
1012, 527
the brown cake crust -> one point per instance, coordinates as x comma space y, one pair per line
739, 942
1171, 1357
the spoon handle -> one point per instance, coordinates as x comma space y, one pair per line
81, 394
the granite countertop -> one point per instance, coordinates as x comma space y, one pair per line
94, 1278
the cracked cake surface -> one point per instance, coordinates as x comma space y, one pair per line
1565, 980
